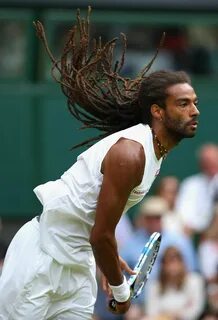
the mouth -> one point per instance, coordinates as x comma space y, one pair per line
193, 124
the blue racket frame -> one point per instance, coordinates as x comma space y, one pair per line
142, 268
144, 265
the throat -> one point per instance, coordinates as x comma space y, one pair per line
161, 148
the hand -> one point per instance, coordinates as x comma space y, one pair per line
125, 267
118, 307
104, 282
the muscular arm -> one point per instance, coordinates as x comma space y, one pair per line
123, 169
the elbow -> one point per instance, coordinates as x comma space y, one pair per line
98, 241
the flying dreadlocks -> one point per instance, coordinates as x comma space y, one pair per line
97, 95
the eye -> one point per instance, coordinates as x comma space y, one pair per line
196, 103
183, 103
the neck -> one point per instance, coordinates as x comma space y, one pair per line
162, 150
163, 141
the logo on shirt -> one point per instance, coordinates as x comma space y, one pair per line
139, 192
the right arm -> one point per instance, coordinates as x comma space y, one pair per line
122, 169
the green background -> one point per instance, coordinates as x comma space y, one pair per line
37, 131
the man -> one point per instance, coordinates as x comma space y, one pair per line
81, 210
167, 189
197, 193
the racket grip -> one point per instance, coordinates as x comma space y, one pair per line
112, 304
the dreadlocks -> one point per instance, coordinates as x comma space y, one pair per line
97, 95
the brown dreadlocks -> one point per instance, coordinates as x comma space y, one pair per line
97, 95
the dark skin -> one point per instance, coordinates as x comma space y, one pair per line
123, 169
179, 119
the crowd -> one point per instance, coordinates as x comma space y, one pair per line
183, 284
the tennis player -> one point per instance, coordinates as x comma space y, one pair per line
49, 270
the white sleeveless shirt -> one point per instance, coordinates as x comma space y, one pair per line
69, 204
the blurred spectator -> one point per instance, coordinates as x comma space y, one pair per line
212, 297
149, 220
197, 192
168, 189
135, 313
177, 294
208, 247
124, 231
208, 315
176, 42
202, 45
13, 54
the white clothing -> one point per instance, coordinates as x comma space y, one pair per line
187, 303
172, 222
195, 200
208, 258
53, 263
69, 203
34, 286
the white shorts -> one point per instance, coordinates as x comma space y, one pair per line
34, 286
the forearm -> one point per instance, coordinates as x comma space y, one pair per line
107, 259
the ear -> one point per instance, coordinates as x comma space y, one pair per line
157, 112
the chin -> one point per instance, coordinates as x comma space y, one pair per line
190, 135
184, 135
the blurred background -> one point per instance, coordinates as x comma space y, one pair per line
36, 130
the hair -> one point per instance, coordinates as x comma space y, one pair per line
164, 278
97, 94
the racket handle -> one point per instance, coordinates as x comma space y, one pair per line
112, 304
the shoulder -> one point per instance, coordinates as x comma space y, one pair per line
125, 157
129, 151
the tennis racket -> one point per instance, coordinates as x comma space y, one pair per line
143, 267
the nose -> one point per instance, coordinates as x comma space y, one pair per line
195, 111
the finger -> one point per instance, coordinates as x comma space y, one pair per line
127, 268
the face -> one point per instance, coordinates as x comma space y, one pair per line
209, 160
169, 189
153, 223
181, 112
173, 263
